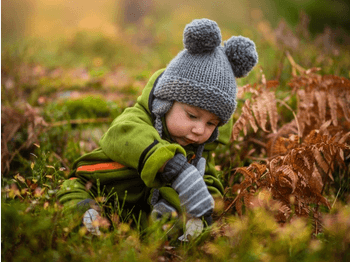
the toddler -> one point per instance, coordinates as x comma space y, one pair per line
156, 157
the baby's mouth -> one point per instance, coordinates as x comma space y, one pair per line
189, 141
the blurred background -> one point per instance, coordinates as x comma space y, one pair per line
56, 18
50, 45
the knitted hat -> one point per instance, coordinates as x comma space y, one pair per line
204, 73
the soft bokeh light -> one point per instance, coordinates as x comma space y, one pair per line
57, 18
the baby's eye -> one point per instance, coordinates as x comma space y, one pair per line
211, 124
191, 116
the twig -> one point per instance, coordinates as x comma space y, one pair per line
81, 121
228, 208
336, 197
256, 141
62, 161
257, 158
295, 116
294, 65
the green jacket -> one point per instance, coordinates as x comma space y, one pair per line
133, 142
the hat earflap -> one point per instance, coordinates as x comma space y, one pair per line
241, 54
159, 108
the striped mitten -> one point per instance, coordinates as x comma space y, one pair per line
193, 192
201, 166
163, 209
189, 184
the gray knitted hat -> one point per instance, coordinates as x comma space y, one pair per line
204, 73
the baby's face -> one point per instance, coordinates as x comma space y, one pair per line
189, 124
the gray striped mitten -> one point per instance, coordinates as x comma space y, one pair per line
201, 166
163, 209
193, 192
189, 184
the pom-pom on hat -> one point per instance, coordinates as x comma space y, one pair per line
204, 73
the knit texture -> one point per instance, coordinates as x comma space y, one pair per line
193, 192
163, 209
204, 73
173, 168
159, 108
201, 166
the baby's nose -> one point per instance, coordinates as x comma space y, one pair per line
198, 129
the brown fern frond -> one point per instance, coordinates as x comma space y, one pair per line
260, 113
344, 138
283, 214
270, 100
316, 180
260, 168
239, 205
238, 126
272, 84
345, 107
312, 138
276, 143
301, 160
246, 172
248, 199
277, 146
274, 163
318, 100
321, 99
242, 121
324, 127
287, 177
249, 114
304, 153
321, 162
332, 102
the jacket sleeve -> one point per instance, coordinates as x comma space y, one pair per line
133, 141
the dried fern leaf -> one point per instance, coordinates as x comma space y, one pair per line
325, 125
242, 121
332, 102
322, 200
260, 112
249, 115
305, 104
248, 199
259, 167
284, 213
312, 138
316, 182
237, 127
345, 106
272, 83
300, 160
275, 163
279, 146
321, 99
271, 109
246, 172
287, 177
238, 206
344, 138
308, 159
321, 162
